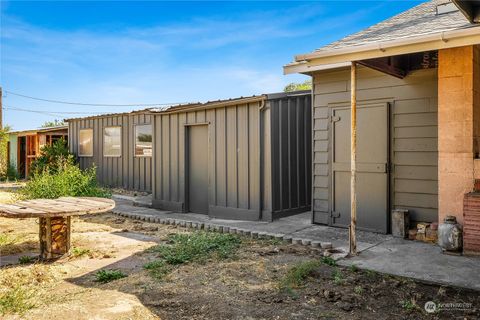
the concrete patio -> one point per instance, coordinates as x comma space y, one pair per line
381, 253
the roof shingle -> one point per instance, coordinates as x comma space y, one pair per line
417, 21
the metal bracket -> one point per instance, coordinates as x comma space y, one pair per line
335, 214
335, 118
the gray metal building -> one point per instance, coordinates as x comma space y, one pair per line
246, 158
119, 145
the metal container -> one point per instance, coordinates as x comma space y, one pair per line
450, 234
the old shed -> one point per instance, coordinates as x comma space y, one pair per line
246, 158
119, 145
25, 146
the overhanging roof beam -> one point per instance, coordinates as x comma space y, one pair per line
470, 9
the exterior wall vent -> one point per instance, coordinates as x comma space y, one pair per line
446, 8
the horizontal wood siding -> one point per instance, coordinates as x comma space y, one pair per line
127, 171
413, 128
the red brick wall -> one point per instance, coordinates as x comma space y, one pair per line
471, 223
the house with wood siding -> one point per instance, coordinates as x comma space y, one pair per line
24, 146
415, 79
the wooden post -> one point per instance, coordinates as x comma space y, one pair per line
1, 109
353, 167
54, 237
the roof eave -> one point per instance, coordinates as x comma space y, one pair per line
444, 40
212, 105
305, 67
470, 9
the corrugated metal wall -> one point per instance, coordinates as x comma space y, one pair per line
240, 158
414, 153
233, 159
127, 171
291, 136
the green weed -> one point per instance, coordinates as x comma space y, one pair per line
26, 259
358, 289
329, 261
16, 300
158, 268
338, 276
194, 247
79, 252
353, 268
296, 276
409, 305
105, 276
370, 273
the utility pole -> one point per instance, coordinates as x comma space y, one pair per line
353, 159
1, 109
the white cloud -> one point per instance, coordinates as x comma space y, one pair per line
202, 59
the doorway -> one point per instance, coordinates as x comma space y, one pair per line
22, 156
372, 167
197, 168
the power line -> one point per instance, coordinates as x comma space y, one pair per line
40, 112
54, 114
8, 107
93, 104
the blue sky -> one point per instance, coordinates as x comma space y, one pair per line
160, 52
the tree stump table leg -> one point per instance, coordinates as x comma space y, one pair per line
54, 237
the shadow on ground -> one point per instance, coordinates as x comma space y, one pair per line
247, 286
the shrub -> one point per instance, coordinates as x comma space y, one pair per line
51, 158
4, 138
68, 181
12, 173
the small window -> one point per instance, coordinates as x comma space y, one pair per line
143, 140
85, 143
112, 142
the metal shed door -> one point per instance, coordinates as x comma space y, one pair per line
372, 167
198, 169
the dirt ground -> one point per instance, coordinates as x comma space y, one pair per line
245, 286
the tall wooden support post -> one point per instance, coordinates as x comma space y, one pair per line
353, 168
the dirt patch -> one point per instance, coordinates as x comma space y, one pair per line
243, 286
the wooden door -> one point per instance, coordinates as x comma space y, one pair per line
372, 167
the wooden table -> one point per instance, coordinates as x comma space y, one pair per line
54, 219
